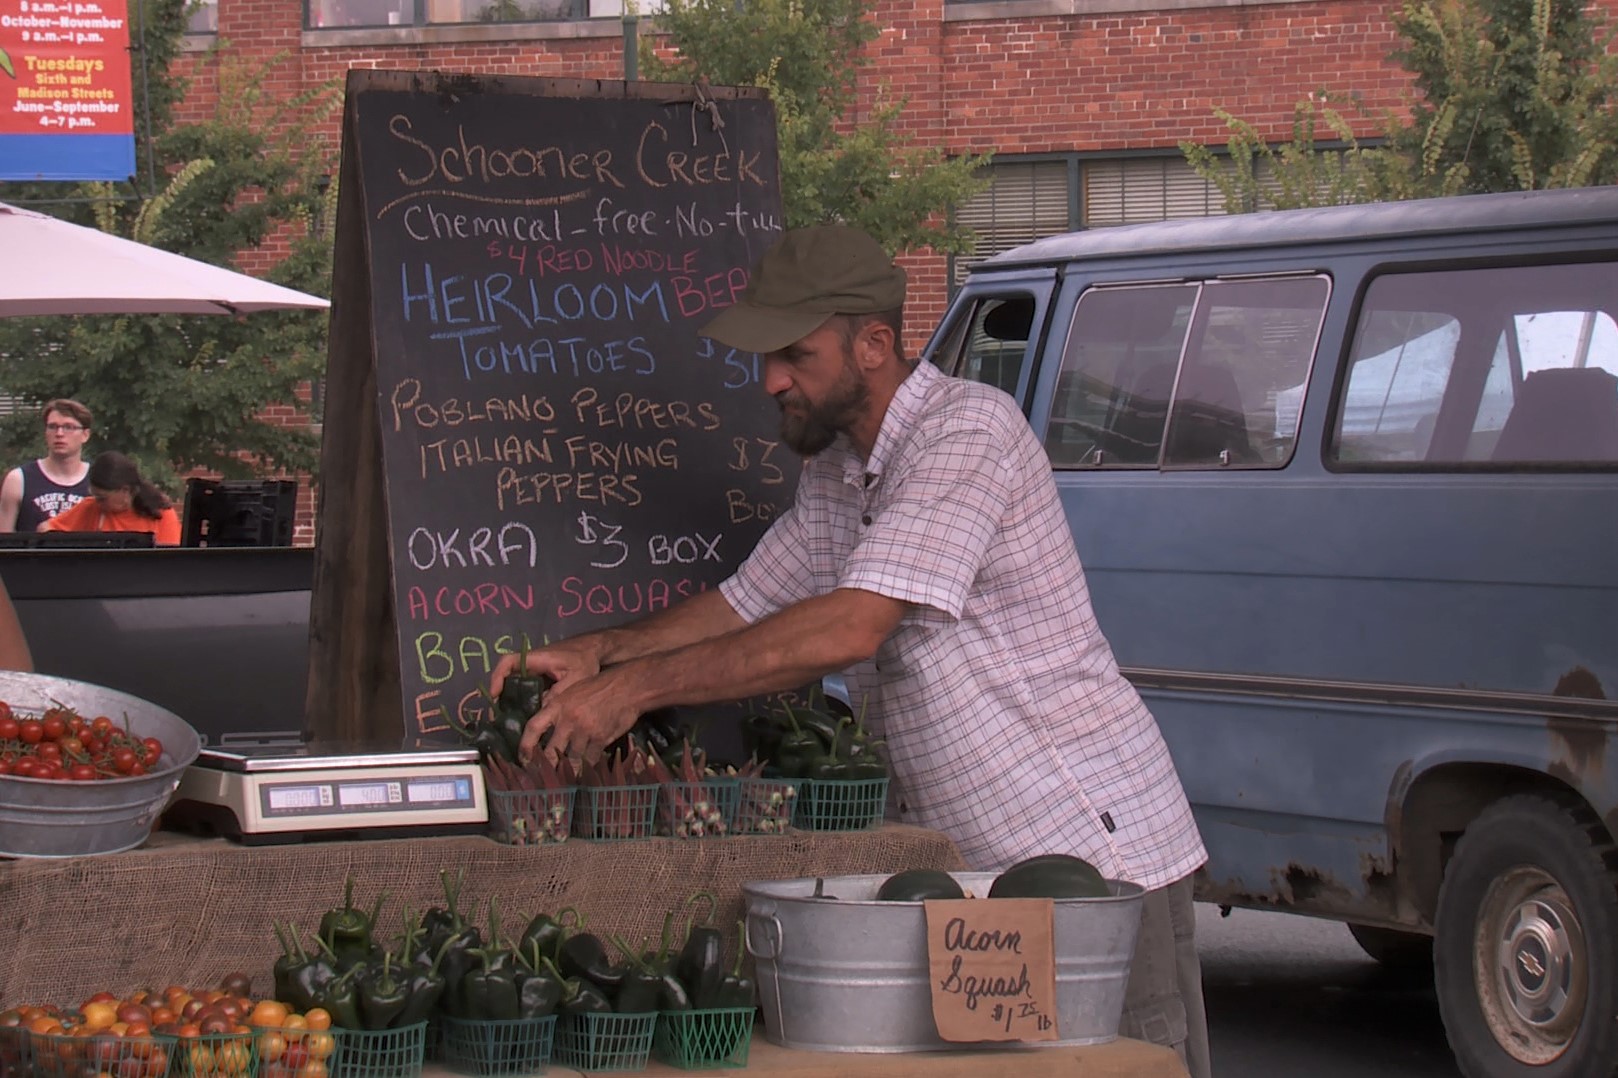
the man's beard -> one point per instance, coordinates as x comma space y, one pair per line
809, 428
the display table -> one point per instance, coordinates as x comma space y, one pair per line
1120, 1059
186, 910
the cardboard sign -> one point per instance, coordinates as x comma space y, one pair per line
993, 968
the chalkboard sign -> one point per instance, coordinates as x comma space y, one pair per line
560, 449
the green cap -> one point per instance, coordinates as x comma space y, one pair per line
806, 276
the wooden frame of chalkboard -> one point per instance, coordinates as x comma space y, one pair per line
525, 434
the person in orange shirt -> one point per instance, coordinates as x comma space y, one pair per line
120, 501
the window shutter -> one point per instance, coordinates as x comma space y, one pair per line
1132, 190
1024, 201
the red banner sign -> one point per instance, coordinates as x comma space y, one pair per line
66, 111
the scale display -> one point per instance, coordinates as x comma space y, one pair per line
288, 792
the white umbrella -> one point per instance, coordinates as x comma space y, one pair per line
50, 266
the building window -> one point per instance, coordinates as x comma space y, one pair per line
202, 17
1041, 196
362, 14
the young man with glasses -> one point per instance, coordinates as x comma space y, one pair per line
40, 489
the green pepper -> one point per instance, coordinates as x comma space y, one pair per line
463, 940
582, 955
797, 748
641, 987
547, 932
382, 995
830, 766
284, 970
427, 987
735, 989
340, 999
539, 987
701, 962
578, 995
489, 994
309, 977
347, 929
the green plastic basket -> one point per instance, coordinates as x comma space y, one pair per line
214, 1055
693, 1040
381, 1053
15, 1057
841, 804
60, 1055
705, 809
615, 813
765, 806
284, 1051
605, 1042
531, 817
520, 1046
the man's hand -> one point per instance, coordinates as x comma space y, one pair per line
561, 662
582, 718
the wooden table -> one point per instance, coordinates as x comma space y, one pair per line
1119, 1059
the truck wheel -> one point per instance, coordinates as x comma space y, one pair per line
1527, 926
1408, 951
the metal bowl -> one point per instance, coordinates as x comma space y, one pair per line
51, 818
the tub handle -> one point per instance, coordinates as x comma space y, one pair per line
774, 934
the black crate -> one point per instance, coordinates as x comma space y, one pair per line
253, 513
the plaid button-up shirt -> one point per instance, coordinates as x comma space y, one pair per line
1008, 724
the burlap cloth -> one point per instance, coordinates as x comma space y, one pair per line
188, 911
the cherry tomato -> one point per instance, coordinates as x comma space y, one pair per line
5, 767
49, 751
124, 760
153, 750
32, 732
81, 773
25, 768
71, 746
54, 726
101, 726
9, 727
5, 710
138, 769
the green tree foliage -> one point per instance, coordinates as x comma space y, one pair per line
1513, 95
808, 54
188, 392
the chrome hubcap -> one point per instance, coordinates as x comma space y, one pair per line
1530, 965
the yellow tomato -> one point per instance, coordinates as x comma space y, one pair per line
271, 1046
298, 1021
321, 1046
317, 1018
268, 1012
99, 1014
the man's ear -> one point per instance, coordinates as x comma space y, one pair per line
875, 344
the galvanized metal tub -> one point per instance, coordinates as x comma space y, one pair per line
851, 975
50, 818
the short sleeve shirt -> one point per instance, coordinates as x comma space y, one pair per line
1009, 726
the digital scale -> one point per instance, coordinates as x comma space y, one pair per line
262, 794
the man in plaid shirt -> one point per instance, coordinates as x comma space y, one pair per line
927, 558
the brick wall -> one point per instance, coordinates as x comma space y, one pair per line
1043, 83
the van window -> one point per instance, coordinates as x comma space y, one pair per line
1201, 375
1487, 367
990, 345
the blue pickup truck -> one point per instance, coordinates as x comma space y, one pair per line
1345, 485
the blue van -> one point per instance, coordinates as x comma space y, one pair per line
1345, 485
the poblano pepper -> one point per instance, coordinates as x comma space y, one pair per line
347, 929
464, 939
383, 995
736, 989
641, 987
582, 955
701, 962
426, 990
539, 987
489, 993
830, 766
796, 749
340, 999
547, 932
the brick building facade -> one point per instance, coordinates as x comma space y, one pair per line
1083, 104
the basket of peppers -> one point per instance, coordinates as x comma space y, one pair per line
687, 1003
378, 998
839, 770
